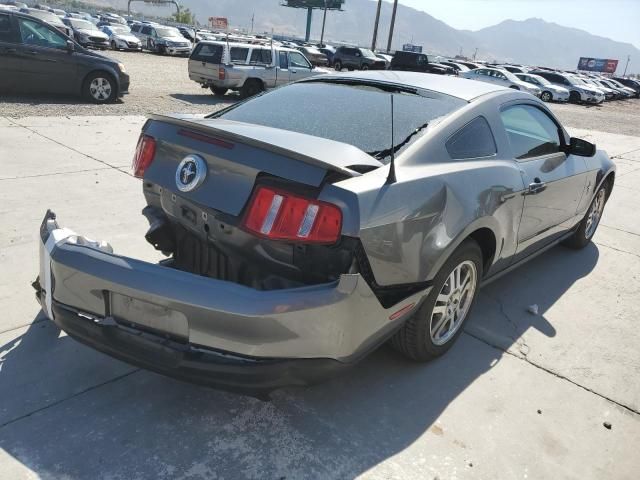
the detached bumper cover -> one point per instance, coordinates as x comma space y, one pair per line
206, 330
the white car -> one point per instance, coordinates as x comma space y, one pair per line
578, 91
500, 77
121, 38
550, 92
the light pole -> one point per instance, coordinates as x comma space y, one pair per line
625, 67
324, 20
393, 22
375, 27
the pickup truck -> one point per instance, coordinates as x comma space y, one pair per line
247, 68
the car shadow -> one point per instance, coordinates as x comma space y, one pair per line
206, 98
38, 99
70, 412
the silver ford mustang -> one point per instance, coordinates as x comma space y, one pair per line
306, 226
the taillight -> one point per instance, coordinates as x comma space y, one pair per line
280, 215
145, 151
222, 73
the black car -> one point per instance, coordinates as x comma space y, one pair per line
628, 82
35, 57
355, 58
418, 62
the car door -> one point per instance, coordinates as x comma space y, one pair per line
282, 69
9, 72
43, 60
501, 79
554, 181
299, 66
145, 37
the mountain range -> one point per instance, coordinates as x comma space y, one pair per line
533, 41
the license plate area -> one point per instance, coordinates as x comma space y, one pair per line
149, 316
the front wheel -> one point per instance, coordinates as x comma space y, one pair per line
364, 67
587, 228
433, 329
574, 97
113, 45
100, 87
337, 66
546, 96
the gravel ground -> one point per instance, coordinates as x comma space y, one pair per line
161, 85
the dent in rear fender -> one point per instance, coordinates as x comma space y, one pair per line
599, 167
409, 228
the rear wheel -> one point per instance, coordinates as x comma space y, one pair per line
218, 91
546, 96
100, 87
433, 329
337, 66
251, 87
364, 67
587, 228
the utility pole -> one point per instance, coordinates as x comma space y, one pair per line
475, 53
393, 22
309, 14
375, 27
625, 67
253, 16
324, 20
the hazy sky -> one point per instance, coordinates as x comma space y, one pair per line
615, 19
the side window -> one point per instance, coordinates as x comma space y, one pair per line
5, 28
146, 30
297, 60
500, 75
481, 72
261, 56
238, 54
422, 60
39, 35
531, 132
284, 60
474, 140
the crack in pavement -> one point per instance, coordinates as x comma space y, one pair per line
523, 348
555, 374
68, 147
619, 229
97, 169
616, 249
77, 394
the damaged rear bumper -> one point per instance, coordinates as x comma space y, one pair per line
205, 330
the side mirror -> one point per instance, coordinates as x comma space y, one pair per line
580, 147
70, 46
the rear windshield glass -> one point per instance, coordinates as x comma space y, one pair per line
363, 119
208, 53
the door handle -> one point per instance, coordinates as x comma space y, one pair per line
536, 186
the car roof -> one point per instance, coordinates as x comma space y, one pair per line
461, 88
248, 45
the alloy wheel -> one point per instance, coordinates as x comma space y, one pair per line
100, 89
595, 213
453, 302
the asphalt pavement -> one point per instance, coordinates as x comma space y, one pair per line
521, 395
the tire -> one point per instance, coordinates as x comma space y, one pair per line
337, 65
100, 87
251, 87
419, 339
589, 224
219, 91
574, 97
546, 96
364, 67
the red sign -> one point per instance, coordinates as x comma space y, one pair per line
219, 23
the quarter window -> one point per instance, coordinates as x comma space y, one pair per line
474, 140
5, 28
284, 61
37, 34
531, 132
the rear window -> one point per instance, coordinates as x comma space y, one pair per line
365, 124
238, 54
261, 55
208, 53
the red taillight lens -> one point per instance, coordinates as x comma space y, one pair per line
222, 73
145, 151
280, 215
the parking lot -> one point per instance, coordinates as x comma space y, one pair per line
521, 395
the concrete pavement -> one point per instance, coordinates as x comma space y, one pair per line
519, 396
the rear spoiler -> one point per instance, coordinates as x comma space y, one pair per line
320, 152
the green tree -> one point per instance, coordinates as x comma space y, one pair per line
184, 16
